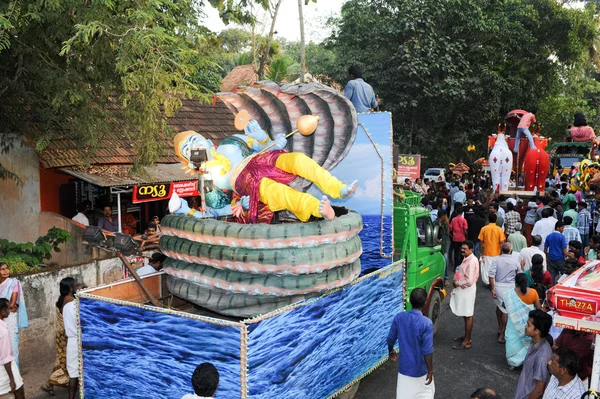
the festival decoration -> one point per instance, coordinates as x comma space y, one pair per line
501, 161
273, 355
262, 176
460, 168
536, 166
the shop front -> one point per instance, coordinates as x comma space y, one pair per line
133, 200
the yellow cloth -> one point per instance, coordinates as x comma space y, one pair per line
491, 236
278, 196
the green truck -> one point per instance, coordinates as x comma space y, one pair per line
415, 242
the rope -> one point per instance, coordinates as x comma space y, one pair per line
381, 251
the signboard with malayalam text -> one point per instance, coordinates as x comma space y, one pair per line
409, 166
164, 191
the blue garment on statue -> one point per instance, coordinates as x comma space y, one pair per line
414, 334
556, 242
361, 94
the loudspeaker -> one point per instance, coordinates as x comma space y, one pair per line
125, 244
94, 235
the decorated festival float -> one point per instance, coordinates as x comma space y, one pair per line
576, 304
274, 283
523, 171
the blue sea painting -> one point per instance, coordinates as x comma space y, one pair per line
129, 352
371, 239
319, 347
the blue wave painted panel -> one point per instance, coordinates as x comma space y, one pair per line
370, 237
316, 349
137, 353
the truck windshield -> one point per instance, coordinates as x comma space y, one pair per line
425, 231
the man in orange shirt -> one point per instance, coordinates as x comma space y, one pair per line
523, 128
490, 237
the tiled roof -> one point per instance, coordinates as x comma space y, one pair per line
242, 75
120, 175
117, 147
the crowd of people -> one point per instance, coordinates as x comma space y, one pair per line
520, 249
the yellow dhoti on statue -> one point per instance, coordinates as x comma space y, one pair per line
278, 196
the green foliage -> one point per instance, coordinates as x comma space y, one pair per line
16, 264
319, 58
81, 69
277, 71
450, 70
235, 40
33, 254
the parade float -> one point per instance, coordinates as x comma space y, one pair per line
271, 282
576, 304
526, 165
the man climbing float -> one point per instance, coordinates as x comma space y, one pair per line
262, 176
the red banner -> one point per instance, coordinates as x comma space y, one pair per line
409, 166
163, 191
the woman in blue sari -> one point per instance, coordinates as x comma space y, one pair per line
10, 289
518, 303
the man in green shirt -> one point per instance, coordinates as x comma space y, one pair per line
516, 239
571, 210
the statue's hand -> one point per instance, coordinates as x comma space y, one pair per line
177, 205
280, 142
255, 131
245, 201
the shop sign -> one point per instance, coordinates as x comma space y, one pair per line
576, 305
409, 166
163, 191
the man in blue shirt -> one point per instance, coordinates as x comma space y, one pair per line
107, 222
556, 250
414, 334
359, 92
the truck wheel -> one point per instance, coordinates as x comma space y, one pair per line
434, 311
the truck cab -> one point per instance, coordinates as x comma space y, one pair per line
415, 242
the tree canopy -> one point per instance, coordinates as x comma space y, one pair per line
75, 68
450, 70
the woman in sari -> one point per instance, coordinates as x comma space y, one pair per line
10, 289
518, 303
60, 376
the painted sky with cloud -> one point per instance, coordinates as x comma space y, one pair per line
363, 164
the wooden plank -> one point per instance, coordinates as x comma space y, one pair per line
129, 290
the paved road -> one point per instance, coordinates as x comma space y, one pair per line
457, 373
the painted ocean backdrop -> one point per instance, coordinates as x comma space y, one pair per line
318, 348
136, 353
370, 238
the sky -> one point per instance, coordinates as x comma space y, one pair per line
287, 26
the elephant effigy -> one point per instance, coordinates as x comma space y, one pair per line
532, 163
244, 265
